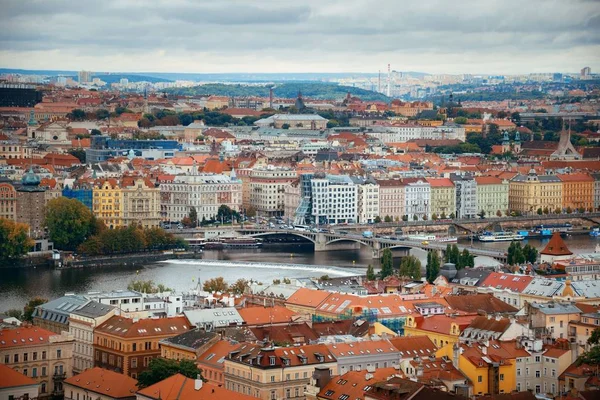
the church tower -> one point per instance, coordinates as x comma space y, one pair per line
517, 143
505, 142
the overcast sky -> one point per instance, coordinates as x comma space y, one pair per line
434, 36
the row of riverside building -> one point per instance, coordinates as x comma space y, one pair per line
301, 198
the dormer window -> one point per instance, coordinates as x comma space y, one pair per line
271, 360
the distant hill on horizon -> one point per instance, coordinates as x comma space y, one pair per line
248, 77
314, 90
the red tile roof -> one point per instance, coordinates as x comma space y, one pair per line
440, 182
179, 387
307, 297
266, 315
9, 378
411, 346
473, 303
443, 323
361, 348
514, 283
488, 180
24, 336
126, 327
556, 246
105, 383
354, 383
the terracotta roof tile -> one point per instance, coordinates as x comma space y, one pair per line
127, 327
179, 387
266, 315
104, 382
9, 378
24, 336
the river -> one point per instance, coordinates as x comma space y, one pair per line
17, 285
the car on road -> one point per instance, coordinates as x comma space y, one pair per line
425, 243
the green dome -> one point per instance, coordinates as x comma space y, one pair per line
30, 178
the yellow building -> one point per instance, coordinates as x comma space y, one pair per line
528, 193
490, 366
217, 102
188, 345
443, 197
107, 203
577, 191
492, 195
441, 329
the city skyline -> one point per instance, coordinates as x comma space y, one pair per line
268, 37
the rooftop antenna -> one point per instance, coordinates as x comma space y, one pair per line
389, 80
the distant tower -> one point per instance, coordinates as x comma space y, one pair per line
146, 109
517, 143
300, 102
32, 125
505, 142
389, 80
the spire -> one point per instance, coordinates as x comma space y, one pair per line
505, 138
32, 121
518, 137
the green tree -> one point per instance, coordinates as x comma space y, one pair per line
217, 284
558, 210
378, 219
387, 218
410, 267
14, 241
594, 338
546, 211
79, 153
466, 259
193, 216
530, 253
569, 210
387, 263
515, 254
76, 115
371, 273
69, 222
481, 214
240, 286
498, 213
540, 211
29, 308
147, 287
285, 126
434, 217
415, 217
448, 253
95, 132
433, 266
15, 313
160, 369
102, 114
460, 120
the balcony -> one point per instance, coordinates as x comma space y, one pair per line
59, 376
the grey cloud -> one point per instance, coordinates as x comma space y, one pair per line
308, 31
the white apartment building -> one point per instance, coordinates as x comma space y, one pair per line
404, 133
267, 189
82, 322
539, 371
291, 200
205, 192
466, 196
334, 199
368, 201
417, 200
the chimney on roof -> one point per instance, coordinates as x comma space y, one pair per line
322, 376
198, 383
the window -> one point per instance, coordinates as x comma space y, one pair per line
537, 358
480, 379
43, 355
34, 355
537, 374
287, 393
26, 357
148, 345
6, 359
34, 372
501, 377
135, 347
273, 395
527, 371
43, 374
518, 371
16, 358
24, 371
58, 353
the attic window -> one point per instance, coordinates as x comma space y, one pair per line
271, 360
